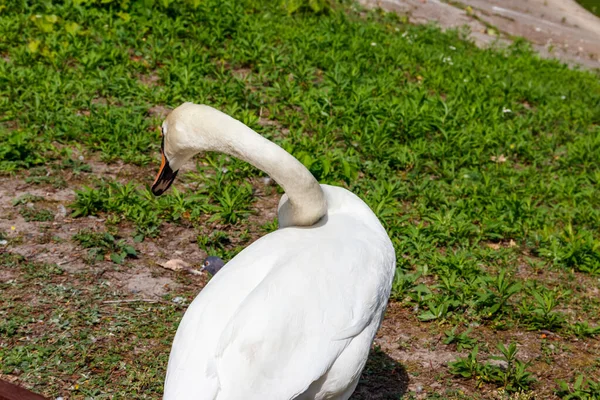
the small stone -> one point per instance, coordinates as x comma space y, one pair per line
179, 300
81, 158
419, 389
3, 242
502, 364
62, 211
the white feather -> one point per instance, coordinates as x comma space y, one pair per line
294, 314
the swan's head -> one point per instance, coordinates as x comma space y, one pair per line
187, 131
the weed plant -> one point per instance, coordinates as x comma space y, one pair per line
482, 164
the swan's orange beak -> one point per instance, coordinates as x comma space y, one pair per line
165, 176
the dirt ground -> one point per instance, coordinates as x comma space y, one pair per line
408, 358
143, 279
34, 236
556, 28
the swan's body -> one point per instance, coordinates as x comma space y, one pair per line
294, 314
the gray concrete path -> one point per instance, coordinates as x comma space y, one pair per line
556, 28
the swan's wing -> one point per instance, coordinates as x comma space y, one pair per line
294, 325
275, 319
191, 373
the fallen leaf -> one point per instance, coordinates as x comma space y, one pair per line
179, 265
175, 265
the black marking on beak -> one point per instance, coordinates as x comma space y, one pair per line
165, 176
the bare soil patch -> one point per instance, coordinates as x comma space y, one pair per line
409, 356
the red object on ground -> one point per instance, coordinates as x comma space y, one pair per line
9, 391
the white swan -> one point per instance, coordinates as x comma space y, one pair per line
294, 314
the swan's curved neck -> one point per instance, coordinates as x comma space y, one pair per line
305, 203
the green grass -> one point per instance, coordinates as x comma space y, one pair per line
512, 376
104, 244
480, 163
592, 5
63, 329
581, 389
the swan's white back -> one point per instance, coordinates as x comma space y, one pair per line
292, 316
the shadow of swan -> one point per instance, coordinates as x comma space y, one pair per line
382, 379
